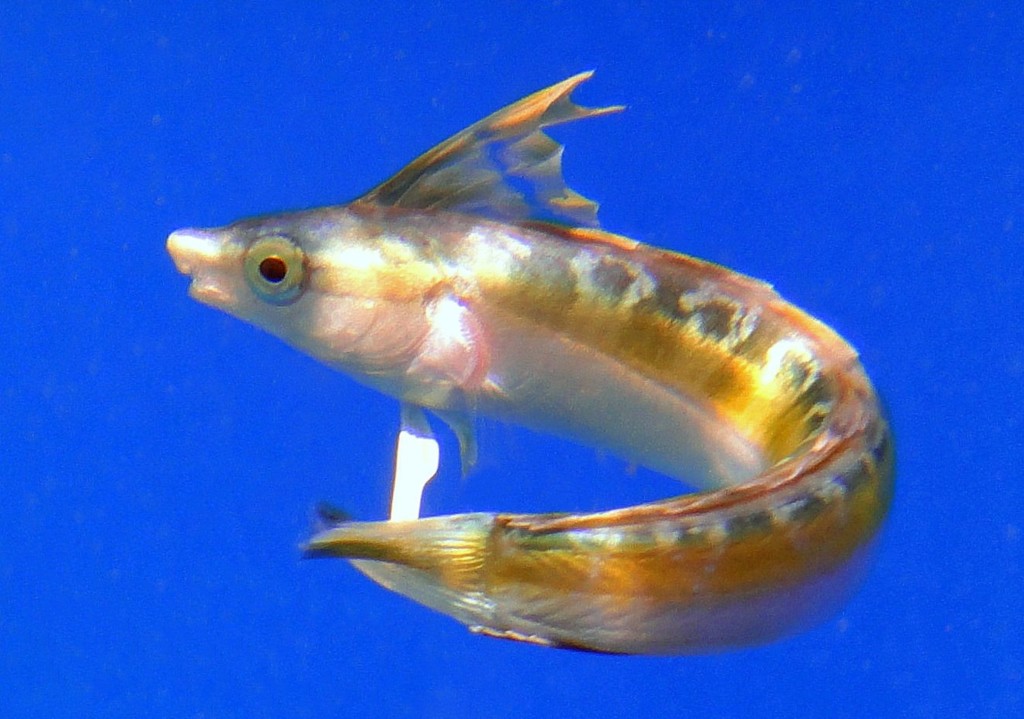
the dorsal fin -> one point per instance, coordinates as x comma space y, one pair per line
503, 167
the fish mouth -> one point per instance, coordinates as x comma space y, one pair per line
200, 254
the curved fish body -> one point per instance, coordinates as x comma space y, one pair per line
476, 282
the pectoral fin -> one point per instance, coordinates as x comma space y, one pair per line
503, 167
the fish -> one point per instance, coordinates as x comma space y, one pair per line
474, 283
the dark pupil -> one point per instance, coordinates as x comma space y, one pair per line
273, 269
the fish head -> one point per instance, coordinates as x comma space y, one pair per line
257, 275
212, 259
325, 281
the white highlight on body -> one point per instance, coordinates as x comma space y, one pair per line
640, 289
490, 254
778, 354
352, 257
448, 322
449, 355
584, 264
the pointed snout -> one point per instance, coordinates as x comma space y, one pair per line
192, 249
211, 261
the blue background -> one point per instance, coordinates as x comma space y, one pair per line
160, 461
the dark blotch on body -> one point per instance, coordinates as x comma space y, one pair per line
667, 293
717, 317
613, 277
804, 508
756, 522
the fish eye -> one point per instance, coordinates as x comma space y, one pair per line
275, 268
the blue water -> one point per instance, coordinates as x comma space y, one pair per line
160, 461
